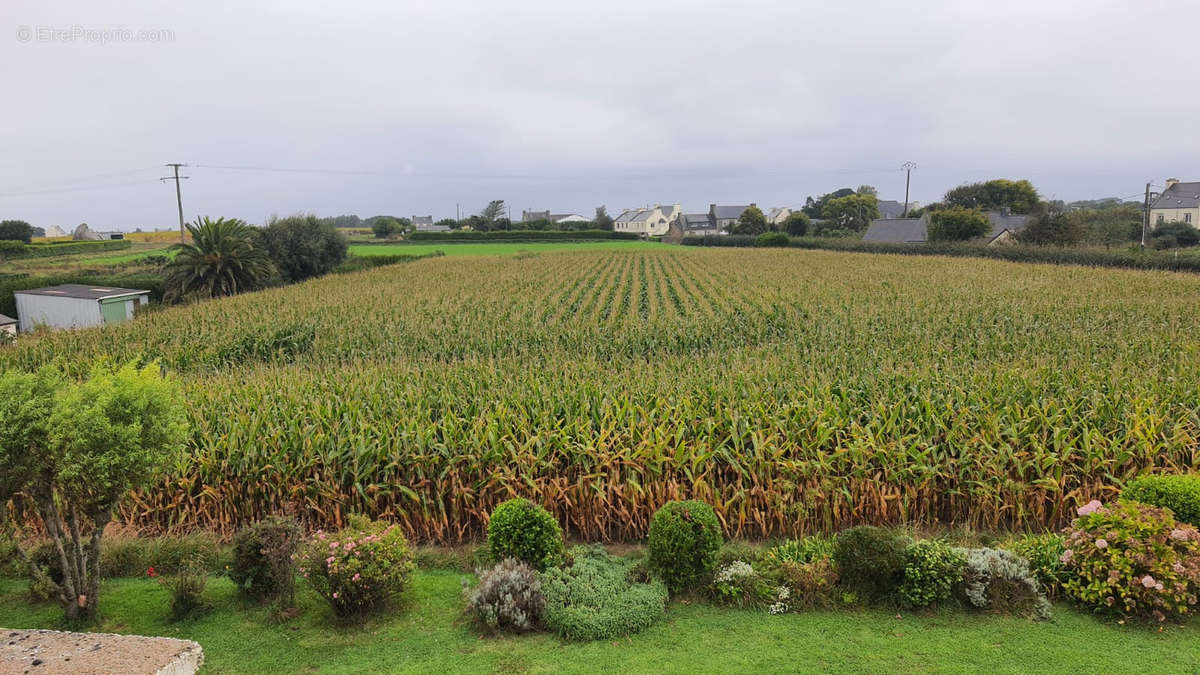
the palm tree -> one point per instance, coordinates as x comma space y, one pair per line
223, 259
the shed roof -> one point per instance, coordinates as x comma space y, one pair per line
6, 320
82, 291
1179, 196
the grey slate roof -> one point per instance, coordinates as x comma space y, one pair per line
890, 208
82, 291
7, 320
696, 221
634, 215
728, 212
1001, 222
1179, 196
422, 220
897, 230
530, 216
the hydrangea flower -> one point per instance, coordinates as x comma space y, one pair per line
1101, 544
1091, 507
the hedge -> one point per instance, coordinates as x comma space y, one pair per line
523, 235
22, 250
355, 263
140, 280
1143, 260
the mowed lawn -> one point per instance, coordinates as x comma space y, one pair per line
500, 248
425, 635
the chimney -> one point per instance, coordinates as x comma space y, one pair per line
1171, 183
753, 205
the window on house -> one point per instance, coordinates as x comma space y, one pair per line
1160, 219
1187, 218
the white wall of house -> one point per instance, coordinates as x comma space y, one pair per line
1189, 216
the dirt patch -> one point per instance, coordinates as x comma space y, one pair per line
42, 652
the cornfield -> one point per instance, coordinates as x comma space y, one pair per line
796, 391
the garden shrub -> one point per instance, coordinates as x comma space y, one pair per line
800, 551
684, 540
931, 570
1180, 493
508, 598
870, 560
810, 585
772, 239
596, 598
359, 569
520, 529
1044, 554
1001, 581
739, 585
1133, 559
262, 565
186, 586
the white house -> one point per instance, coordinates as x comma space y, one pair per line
1179, 203
777, 215
76, 306
651, 222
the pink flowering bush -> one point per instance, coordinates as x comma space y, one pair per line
359, 569
1132, 559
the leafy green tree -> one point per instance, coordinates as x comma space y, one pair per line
1111, 224
957, 224
16, 230
384, 226
75, 451
1020, 196
815, 207
448, 222
867, 190
796, 224
752, 222
224, 258
302, 246
603, 221
853, 212
1050, 226
494, 213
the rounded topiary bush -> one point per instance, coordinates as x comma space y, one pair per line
931, 571
870, 560
684, 540
523, 530
1180, 493
262, 566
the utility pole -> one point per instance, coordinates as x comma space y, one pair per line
178, 196
908, 167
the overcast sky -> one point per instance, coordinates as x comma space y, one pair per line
411, 107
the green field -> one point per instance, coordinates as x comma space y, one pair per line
424, 636
796, 391
499, 248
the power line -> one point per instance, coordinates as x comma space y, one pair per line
76, 189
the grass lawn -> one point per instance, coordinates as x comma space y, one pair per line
498, 248
422, 636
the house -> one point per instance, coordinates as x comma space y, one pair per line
1004, 228
1179, 202
650, 222
532, 216
725, 216
76, 306
422, 220
697, 225
890, 209
777, 215
8, 325
55, 231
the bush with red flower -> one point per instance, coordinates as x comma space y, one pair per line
359, 569
1133, 559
